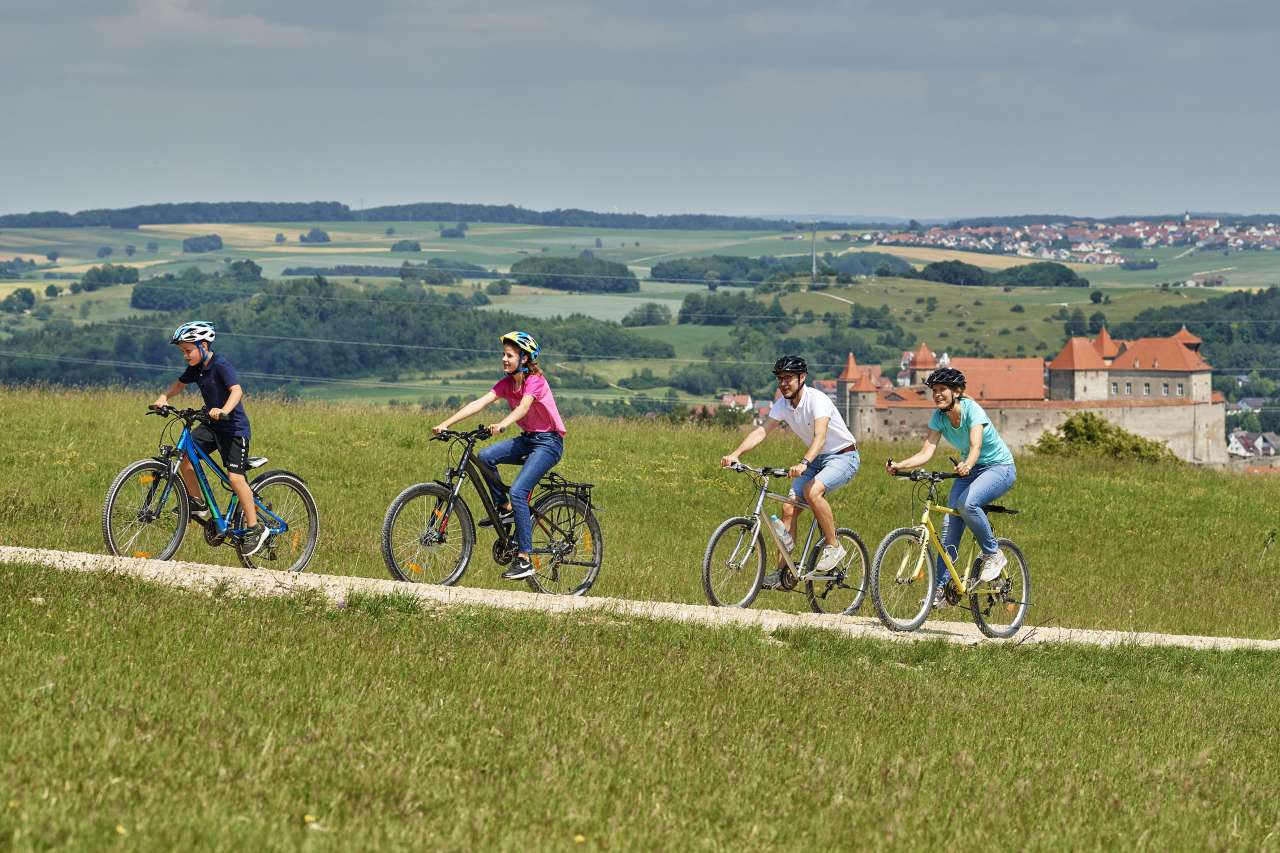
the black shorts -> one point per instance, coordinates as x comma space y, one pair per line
234, 449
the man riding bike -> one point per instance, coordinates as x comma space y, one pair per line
830, 459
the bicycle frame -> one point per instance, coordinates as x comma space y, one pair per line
189, 447
468, 470
758, 515
926, 525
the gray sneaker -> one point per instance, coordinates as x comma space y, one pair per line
940, 597
773, 580
253, 539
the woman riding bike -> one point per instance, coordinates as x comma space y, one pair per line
986, 472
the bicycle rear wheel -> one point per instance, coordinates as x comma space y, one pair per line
842, 589
145, 513
1000, 606
419, 545
567, 546
902, 580
733, 566
287, 497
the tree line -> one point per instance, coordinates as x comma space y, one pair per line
332, 211
298, 327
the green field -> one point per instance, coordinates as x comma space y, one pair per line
1111, 545
967, 315
141, 716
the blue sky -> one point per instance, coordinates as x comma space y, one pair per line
934, 109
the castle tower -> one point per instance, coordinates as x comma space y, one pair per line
1078, 372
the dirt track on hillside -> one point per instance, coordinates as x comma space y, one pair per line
337, 588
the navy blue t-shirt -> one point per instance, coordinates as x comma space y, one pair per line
215, 380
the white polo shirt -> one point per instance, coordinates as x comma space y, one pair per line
813, 405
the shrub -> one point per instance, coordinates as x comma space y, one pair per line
1089, 435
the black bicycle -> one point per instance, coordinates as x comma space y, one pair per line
429, 532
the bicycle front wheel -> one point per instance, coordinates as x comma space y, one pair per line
902, 579
843, 588
733, 566
1000, 606
285, 498
567, 546
146, 511
421, 545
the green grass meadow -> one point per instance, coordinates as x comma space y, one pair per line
145, 717
140, 716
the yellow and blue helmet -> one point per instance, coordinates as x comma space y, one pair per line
524, 342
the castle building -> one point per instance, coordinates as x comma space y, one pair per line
1154, 387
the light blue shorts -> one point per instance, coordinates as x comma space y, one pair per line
833, 470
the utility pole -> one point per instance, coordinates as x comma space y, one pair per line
813, 255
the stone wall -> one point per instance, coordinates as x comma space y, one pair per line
1194, 431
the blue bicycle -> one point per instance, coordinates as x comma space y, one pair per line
147, 509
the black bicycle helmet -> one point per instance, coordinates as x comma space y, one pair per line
790, 364
945, 376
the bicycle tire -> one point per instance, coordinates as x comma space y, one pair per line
296, 545
897, 596
751, 568
416, 509
1008, 594
565, 527
827, 596
149, 476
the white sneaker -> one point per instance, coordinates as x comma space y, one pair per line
831, 557
992, 565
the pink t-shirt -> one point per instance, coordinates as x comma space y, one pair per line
543, 415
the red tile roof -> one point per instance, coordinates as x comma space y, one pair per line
850, 371
1105, 345
1002, 378
863, 384
1078, 354
1185, 337
1159, 354
923, 357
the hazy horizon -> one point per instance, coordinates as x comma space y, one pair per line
991, 109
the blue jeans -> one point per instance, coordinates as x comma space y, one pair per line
539, 452
968, 495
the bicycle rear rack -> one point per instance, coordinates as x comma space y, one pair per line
553, 482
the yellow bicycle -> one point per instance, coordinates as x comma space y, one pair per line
902, 572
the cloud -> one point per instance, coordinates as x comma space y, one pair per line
150, 20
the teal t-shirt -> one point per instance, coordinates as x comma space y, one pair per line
994, 450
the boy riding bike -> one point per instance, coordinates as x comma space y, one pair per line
830, 459
538, 448
986, 472
229, 432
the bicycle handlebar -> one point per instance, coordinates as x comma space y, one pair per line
764, 472
188, 415
929, 476
465, 435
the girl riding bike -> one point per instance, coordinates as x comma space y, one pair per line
986, 472
537, 449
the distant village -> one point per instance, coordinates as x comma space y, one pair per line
1082, 242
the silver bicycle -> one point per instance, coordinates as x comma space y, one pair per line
734, 566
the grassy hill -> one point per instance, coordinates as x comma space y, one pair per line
149, 716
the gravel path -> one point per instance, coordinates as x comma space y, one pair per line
203, 578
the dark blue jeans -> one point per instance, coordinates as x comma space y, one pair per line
538, 452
